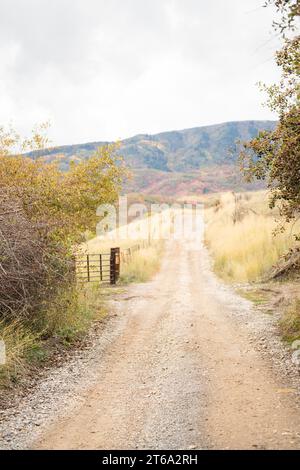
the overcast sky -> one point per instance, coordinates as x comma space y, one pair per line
109, 69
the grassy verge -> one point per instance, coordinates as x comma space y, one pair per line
240, 236
255, 296
31, 345
290, 323
20, 342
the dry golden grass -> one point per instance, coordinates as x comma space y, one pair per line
240, 235
26, 343
143, 264
19, 342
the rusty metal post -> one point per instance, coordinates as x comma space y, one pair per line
88, 267
100, 267
117, 263
114, 265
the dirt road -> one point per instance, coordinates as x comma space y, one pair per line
183, 373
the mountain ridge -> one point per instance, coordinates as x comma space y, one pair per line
202, 158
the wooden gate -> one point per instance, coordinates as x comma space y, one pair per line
100, 267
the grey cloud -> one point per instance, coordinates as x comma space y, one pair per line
127, 64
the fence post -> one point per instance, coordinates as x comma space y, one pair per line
117, 263
114, 265
88, 267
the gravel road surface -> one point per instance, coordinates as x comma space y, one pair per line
182, 363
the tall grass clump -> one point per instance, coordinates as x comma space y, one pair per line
290, 323
241, 236
29, 344
20, 343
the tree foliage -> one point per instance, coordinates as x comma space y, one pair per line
290, 10
43, 214
275, 155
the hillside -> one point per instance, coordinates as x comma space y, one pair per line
200, 159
